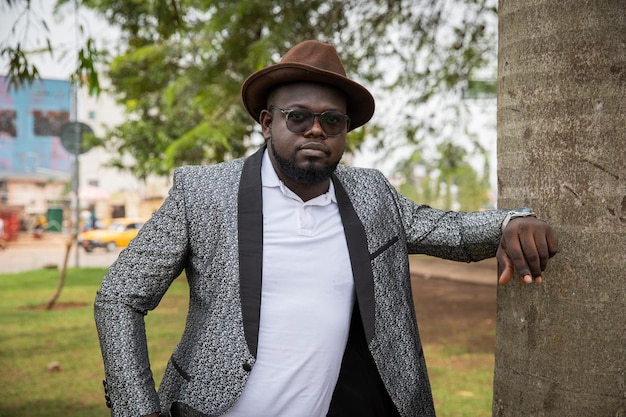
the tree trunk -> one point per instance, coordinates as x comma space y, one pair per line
61, 282
561, 149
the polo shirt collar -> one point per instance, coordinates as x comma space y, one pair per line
270, 179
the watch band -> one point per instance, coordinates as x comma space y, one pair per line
521, 212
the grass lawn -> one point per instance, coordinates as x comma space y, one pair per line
33, 340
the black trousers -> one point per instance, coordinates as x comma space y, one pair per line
183, 410
360, 391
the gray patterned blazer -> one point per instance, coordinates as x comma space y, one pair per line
211, 226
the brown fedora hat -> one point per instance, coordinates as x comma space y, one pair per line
308, 61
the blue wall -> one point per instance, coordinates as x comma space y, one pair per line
30, 122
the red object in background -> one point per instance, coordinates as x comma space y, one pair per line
11, 224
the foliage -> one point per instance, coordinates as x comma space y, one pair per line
183, 63
448, 182
22, 45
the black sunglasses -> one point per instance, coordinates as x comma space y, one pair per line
301, 120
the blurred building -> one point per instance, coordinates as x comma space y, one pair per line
127, 196
36, 171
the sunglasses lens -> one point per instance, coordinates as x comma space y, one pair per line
333, 122
301, 120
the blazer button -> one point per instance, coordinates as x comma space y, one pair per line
247, 367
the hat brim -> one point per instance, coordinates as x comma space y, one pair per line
254, 91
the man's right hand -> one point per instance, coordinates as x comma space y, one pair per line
526, 245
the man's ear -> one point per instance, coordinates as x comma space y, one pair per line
266, 124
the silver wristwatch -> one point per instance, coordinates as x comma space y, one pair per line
521, 212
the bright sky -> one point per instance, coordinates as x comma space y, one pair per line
17, 24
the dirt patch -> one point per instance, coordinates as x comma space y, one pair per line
453, 313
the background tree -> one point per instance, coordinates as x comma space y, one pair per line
448, 182
183, 61
30, 36
561, 128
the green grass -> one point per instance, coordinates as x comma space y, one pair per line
32, 338
462, 384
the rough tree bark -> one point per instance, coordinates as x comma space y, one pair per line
561, 150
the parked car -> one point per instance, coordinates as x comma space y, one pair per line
119, 234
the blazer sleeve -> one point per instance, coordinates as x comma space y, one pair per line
135, 284
459, 236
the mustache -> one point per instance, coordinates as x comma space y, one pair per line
318, 146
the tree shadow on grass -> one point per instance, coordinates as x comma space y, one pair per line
59, 306
55, 408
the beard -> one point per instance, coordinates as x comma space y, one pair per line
302, 174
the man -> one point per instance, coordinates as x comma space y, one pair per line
300, 296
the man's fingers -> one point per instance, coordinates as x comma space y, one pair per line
506, 276
515, 251
553, 242
526, 246
542, 251
505, 266
529, 261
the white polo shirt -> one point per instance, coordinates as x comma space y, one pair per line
306, 303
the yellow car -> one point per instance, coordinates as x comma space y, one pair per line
119, 234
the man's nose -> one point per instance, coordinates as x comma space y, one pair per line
316, 129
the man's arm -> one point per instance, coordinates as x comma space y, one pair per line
133, 286
521, 243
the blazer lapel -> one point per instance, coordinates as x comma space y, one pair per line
359, 258
250, 233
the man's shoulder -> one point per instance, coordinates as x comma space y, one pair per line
218, 176
358, 174
362, 182
228, 170
356, 170
225, 166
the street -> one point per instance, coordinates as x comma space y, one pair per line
28, 253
